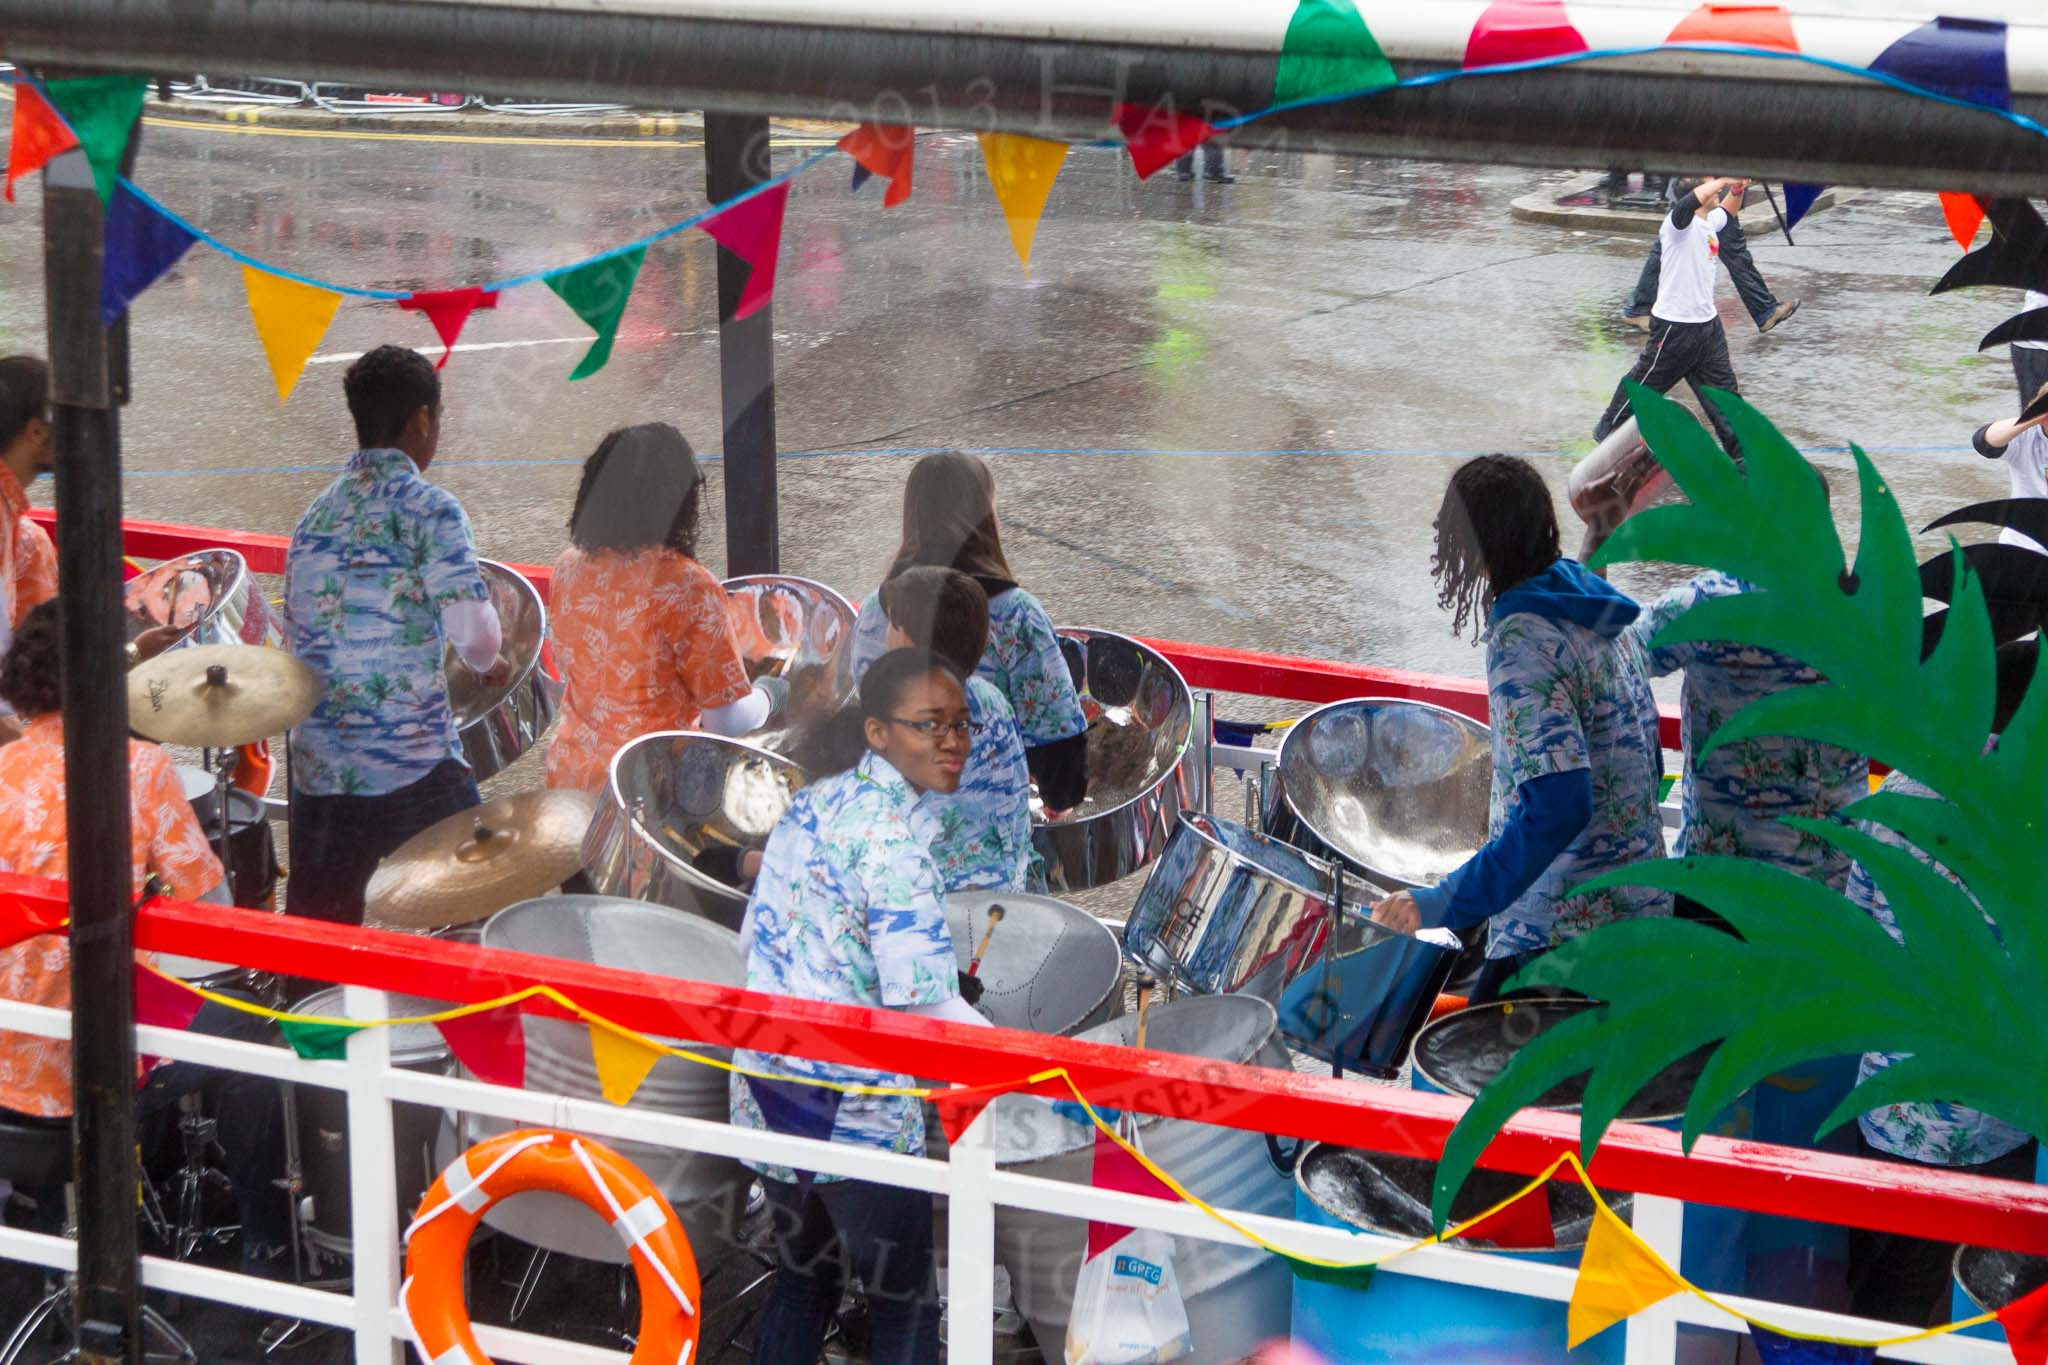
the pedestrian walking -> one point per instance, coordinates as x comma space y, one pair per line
1764, 307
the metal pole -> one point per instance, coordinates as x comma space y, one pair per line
88, 378
736, 158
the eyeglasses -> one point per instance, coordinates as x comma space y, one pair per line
932, 729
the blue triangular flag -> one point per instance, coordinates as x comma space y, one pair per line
861, 175
1961, 58
141, 244
1773, 1349
1798, 199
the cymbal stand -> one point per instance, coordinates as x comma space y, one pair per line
286, 1334
224, 816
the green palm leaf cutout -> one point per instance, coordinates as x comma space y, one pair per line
1812, 975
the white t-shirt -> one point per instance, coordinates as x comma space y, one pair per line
2034, 300
2026, 468
1685, 268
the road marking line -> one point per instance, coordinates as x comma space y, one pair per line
368, 135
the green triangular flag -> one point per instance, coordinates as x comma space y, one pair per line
1357, 1277
1328, 50
101, 110
318, 1042
598, 292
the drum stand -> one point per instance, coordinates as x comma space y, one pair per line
60, 1302
287, 1334
224, 816
199, 1138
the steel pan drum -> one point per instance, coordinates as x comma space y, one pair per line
672, 796
1398, 789
1050, 967
792, 629
210, 593
1143, 766
499, 723
708, 1192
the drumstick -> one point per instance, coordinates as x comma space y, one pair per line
995, 917
1145, 984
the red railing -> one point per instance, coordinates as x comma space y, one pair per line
1916, 1201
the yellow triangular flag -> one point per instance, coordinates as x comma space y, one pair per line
1021, 171
290, 320
1618, 1277
622, 1062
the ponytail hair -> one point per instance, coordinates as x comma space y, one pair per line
835, 744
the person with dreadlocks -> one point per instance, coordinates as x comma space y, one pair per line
1576, 761
641, 628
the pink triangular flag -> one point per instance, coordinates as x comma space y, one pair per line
752, 231
490, 1044
1521, 31
1158, 137
448, 309
1116, 1169
163, 1002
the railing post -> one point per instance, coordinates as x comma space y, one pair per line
372, 1176
735, 160
971, 1247
1653, 1333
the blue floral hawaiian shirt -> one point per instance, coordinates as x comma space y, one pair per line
371, 565
1734, 799
1931, 1132
1023, 659
984, 841
849, 908
1561, 697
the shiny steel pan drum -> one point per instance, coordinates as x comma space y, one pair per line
792, 629
1396, 788
499, 723
1050, 967
210, 593
708, 1192
1143, 764
250, 853
671, 798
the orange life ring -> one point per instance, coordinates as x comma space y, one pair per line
583, 1169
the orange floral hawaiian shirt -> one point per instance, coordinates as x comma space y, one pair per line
644, 643
28, 561
164, 838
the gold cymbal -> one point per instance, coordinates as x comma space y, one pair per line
476, 862
219, 696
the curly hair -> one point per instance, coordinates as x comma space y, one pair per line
641, 488
32, 674
384, 388
1496, 527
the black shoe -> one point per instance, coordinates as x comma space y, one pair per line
1221, 178
1183, 176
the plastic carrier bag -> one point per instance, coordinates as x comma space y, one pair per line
1127, 1304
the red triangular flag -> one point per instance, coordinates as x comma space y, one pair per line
1739, 25
752, 231
23, 917
38, 136
1158, 137
1523, 1225
886, 150
1965, 215
960, 1107
163, 1002
1521, 31
1116, 1169
2025, 1321
490, 1044
448, 309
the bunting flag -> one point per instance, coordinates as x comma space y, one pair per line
1773, 1349
1521, 31
597, 292
886, 150
1964, 216
1158, 136
1356, 1277
1618, 1277
290, 320
163, 1002
1753, 25
22, 918
1798, 200
101, 111
318, 1042
448, 310
2025, 1321
491, 1044
961, 1106
1524, 1225
1961, 58
752, 231
1021, 171
140, 246
1328, 50
38, 136
2016, 257
1117, 1170
622, 1062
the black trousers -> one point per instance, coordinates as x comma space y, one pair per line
828, 1229
1696, 352
337, 841
2029, 371
1906, 1279
1749, 283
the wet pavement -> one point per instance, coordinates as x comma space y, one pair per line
1218, 412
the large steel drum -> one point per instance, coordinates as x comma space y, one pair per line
793, 629
673, 797
709, 1193
1236, 1296
1050, 967
500, 722
1396, 788
210, 594
1143, 764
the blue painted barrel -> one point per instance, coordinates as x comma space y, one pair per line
1985, 1281
1406, 1318
1460, 1053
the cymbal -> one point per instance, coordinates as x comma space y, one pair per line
478, 861
220, 696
